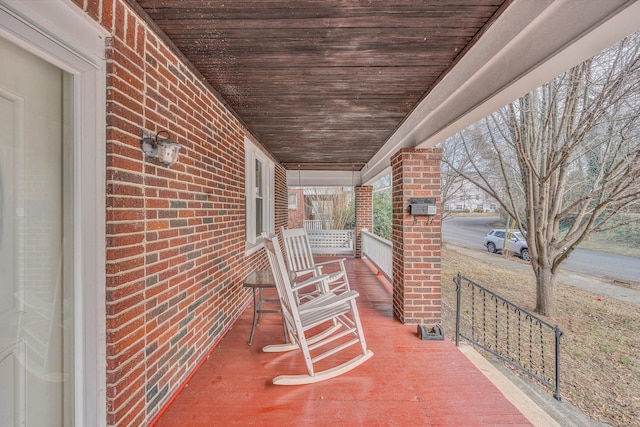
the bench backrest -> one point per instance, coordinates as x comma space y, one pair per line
331, 242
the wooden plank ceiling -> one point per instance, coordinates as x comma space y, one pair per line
322, 83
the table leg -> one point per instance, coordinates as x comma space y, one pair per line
260, 302
255, 312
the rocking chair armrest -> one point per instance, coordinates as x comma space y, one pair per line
314, 270
311, 281
332, 261
330, 301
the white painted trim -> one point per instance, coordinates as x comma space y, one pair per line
58, 32
251, 249
312, 178
64, 25
252, 153
529, 44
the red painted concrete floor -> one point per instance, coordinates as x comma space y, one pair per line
408, 381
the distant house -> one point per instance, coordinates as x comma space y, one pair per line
470, 198
297, 213
319, 207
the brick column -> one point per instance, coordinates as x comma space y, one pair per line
364, 214
416, 246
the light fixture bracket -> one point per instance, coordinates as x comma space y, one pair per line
163, 149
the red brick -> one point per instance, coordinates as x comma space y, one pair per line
416, 245
140, 228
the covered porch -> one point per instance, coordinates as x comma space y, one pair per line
261, 96
408, 381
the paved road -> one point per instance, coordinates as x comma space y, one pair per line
470, 232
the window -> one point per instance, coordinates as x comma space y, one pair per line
293, 201
259, 189
259, 198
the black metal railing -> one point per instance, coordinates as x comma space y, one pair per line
505, 330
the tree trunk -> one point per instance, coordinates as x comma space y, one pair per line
545, 280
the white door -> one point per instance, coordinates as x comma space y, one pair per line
36, 205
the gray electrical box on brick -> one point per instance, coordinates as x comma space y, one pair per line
423, 206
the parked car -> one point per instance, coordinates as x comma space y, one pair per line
494, 242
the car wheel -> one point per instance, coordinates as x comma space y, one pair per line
491, 247
525, 255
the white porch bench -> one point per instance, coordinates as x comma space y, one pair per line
312, 224
331, 242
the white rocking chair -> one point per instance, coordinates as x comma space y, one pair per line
300, 259
338, 312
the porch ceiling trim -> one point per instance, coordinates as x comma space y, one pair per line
323, 178
530, 43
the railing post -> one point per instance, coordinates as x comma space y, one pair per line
458, 281
558, 336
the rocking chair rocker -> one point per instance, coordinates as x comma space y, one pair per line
338, 311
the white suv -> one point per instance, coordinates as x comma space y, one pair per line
517, 244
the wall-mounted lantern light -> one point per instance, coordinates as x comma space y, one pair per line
164, 149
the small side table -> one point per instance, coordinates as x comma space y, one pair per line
259, 280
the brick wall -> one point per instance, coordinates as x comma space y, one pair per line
297, 215
416, 246
175, 235
281, 201
364, 214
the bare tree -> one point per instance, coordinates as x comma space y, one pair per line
568, 152
451, 182
331, 205
458, 151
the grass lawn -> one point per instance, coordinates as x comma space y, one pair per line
600, 351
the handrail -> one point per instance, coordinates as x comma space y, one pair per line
509, 332
379, 251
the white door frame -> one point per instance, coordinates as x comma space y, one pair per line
58, 32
